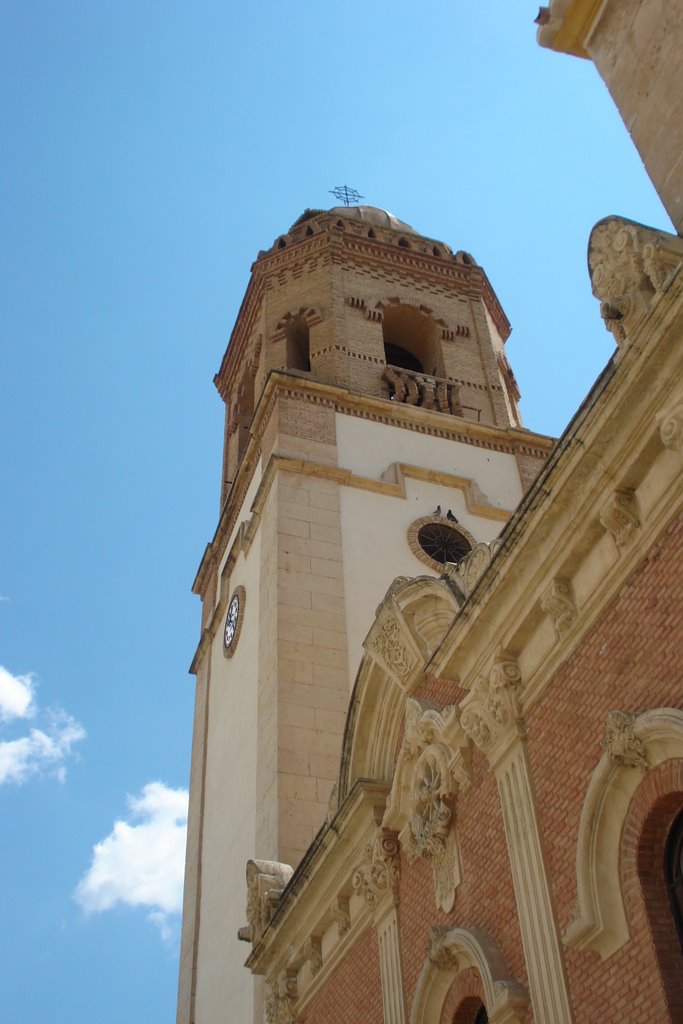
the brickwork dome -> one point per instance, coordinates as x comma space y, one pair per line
374, 215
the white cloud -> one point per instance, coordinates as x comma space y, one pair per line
142, 864
43, 751
16, 695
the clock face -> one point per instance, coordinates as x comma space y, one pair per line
231, 621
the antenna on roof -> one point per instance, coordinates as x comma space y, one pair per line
347, 194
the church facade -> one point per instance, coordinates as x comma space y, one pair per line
439, 714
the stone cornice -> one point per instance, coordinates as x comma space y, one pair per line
611, 486
566, 25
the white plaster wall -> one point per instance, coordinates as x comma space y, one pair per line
369, 448
224, 985
375, 526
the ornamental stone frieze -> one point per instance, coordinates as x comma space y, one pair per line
378, 873
266, 880
434, 763
557, 601
281, 999
620, 516
490, 713
468, 571
630, 265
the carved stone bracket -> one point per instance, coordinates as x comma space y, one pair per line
620, 516
671, 428
266, 880
625, 749
340, 913
430, 772
313, 952
468, 571
379, 871
490, 713
557, 601
281, 1000
629, 266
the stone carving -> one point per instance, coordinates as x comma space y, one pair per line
621, 743
313, 953
466, 573
671, 429
281, 999
620, 516
436, 773
629, 265
340, 913
491, 708
388, 643
422, 389
378, 873
441, 954
265, 881
557, 601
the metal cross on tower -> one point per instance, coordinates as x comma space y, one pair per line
347, 194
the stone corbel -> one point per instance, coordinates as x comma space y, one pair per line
490, 713
340, 913
557, 601
281, 1000
630, 266
620, 516
377, 875
266, 880
430, 771
313, 952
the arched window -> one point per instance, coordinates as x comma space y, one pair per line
482, 1016
673, 873
298, 345
410, 339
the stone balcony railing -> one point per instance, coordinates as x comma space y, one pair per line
421, 389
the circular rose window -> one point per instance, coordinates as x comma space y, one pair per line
437, 541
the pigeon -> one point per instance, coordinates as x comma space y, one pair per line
450, 517
437, 511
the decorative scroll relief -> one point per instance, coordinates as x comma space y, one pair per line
468, 571
490, 713
428, 776
629, 266
671, 428
620, 516
281, 1000
557, 601
389, 643
266, 880
379, 871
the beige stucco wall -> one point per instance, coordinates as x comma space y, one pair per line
230, 807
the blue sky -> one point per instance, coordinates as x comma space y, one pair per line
149, 151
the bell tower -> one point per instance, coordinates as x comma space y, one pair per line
371, 431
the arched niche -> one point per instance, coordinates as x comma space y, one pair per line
635, 745
411, 339
409, 624
454, 950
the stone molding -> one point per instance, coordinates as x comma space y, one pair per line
630, 266
634, 744
620, 516
450, 951
491, 713
557, 601
266, 880
377, 876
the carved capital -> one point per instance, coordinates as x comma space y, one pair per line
468, 571
671, 428
624, 747
313, 952
557, 601
378, 873
281, 1000
265, 881
340, 913
630, 265
491, 714
620, 516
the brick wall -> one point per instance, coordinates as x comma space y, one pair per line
353, 994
